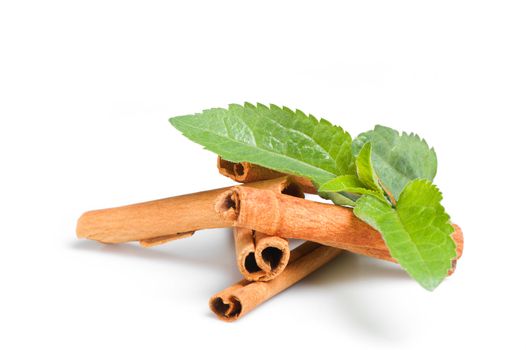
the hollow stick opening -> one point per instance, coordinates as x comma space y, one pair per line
271, 255
260, 257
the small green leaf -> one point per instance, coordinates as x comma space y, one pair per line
340, 198
348, 184
365, 170
277, 138
342, 183
417, 232
397, 159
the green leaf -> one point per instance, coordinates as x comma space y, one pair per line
340, 198
348, 184
277, 138
342, 183
365, 170
417, 232
397, 159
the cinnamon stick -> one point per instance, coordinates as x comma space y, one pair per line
247, 172
290, 217
156, 220
159, 221
242, 297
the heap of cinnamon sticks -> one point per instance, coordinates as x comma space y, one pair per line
266, 210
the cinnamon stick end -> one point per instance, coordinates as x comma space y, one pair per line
263, 266
227, 310
272, 256
227, 205
247, 264
458, 237
226, 168
85, 225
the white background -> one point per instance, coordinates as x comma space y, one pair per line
86, 90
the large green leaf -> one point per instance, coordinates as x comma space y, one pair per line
398, 159
277, 138
417, 232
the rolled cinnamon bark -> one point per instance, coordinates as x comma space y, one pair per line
159, 221
260, 257
155, 220
247, 172
290, 217
240, 298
